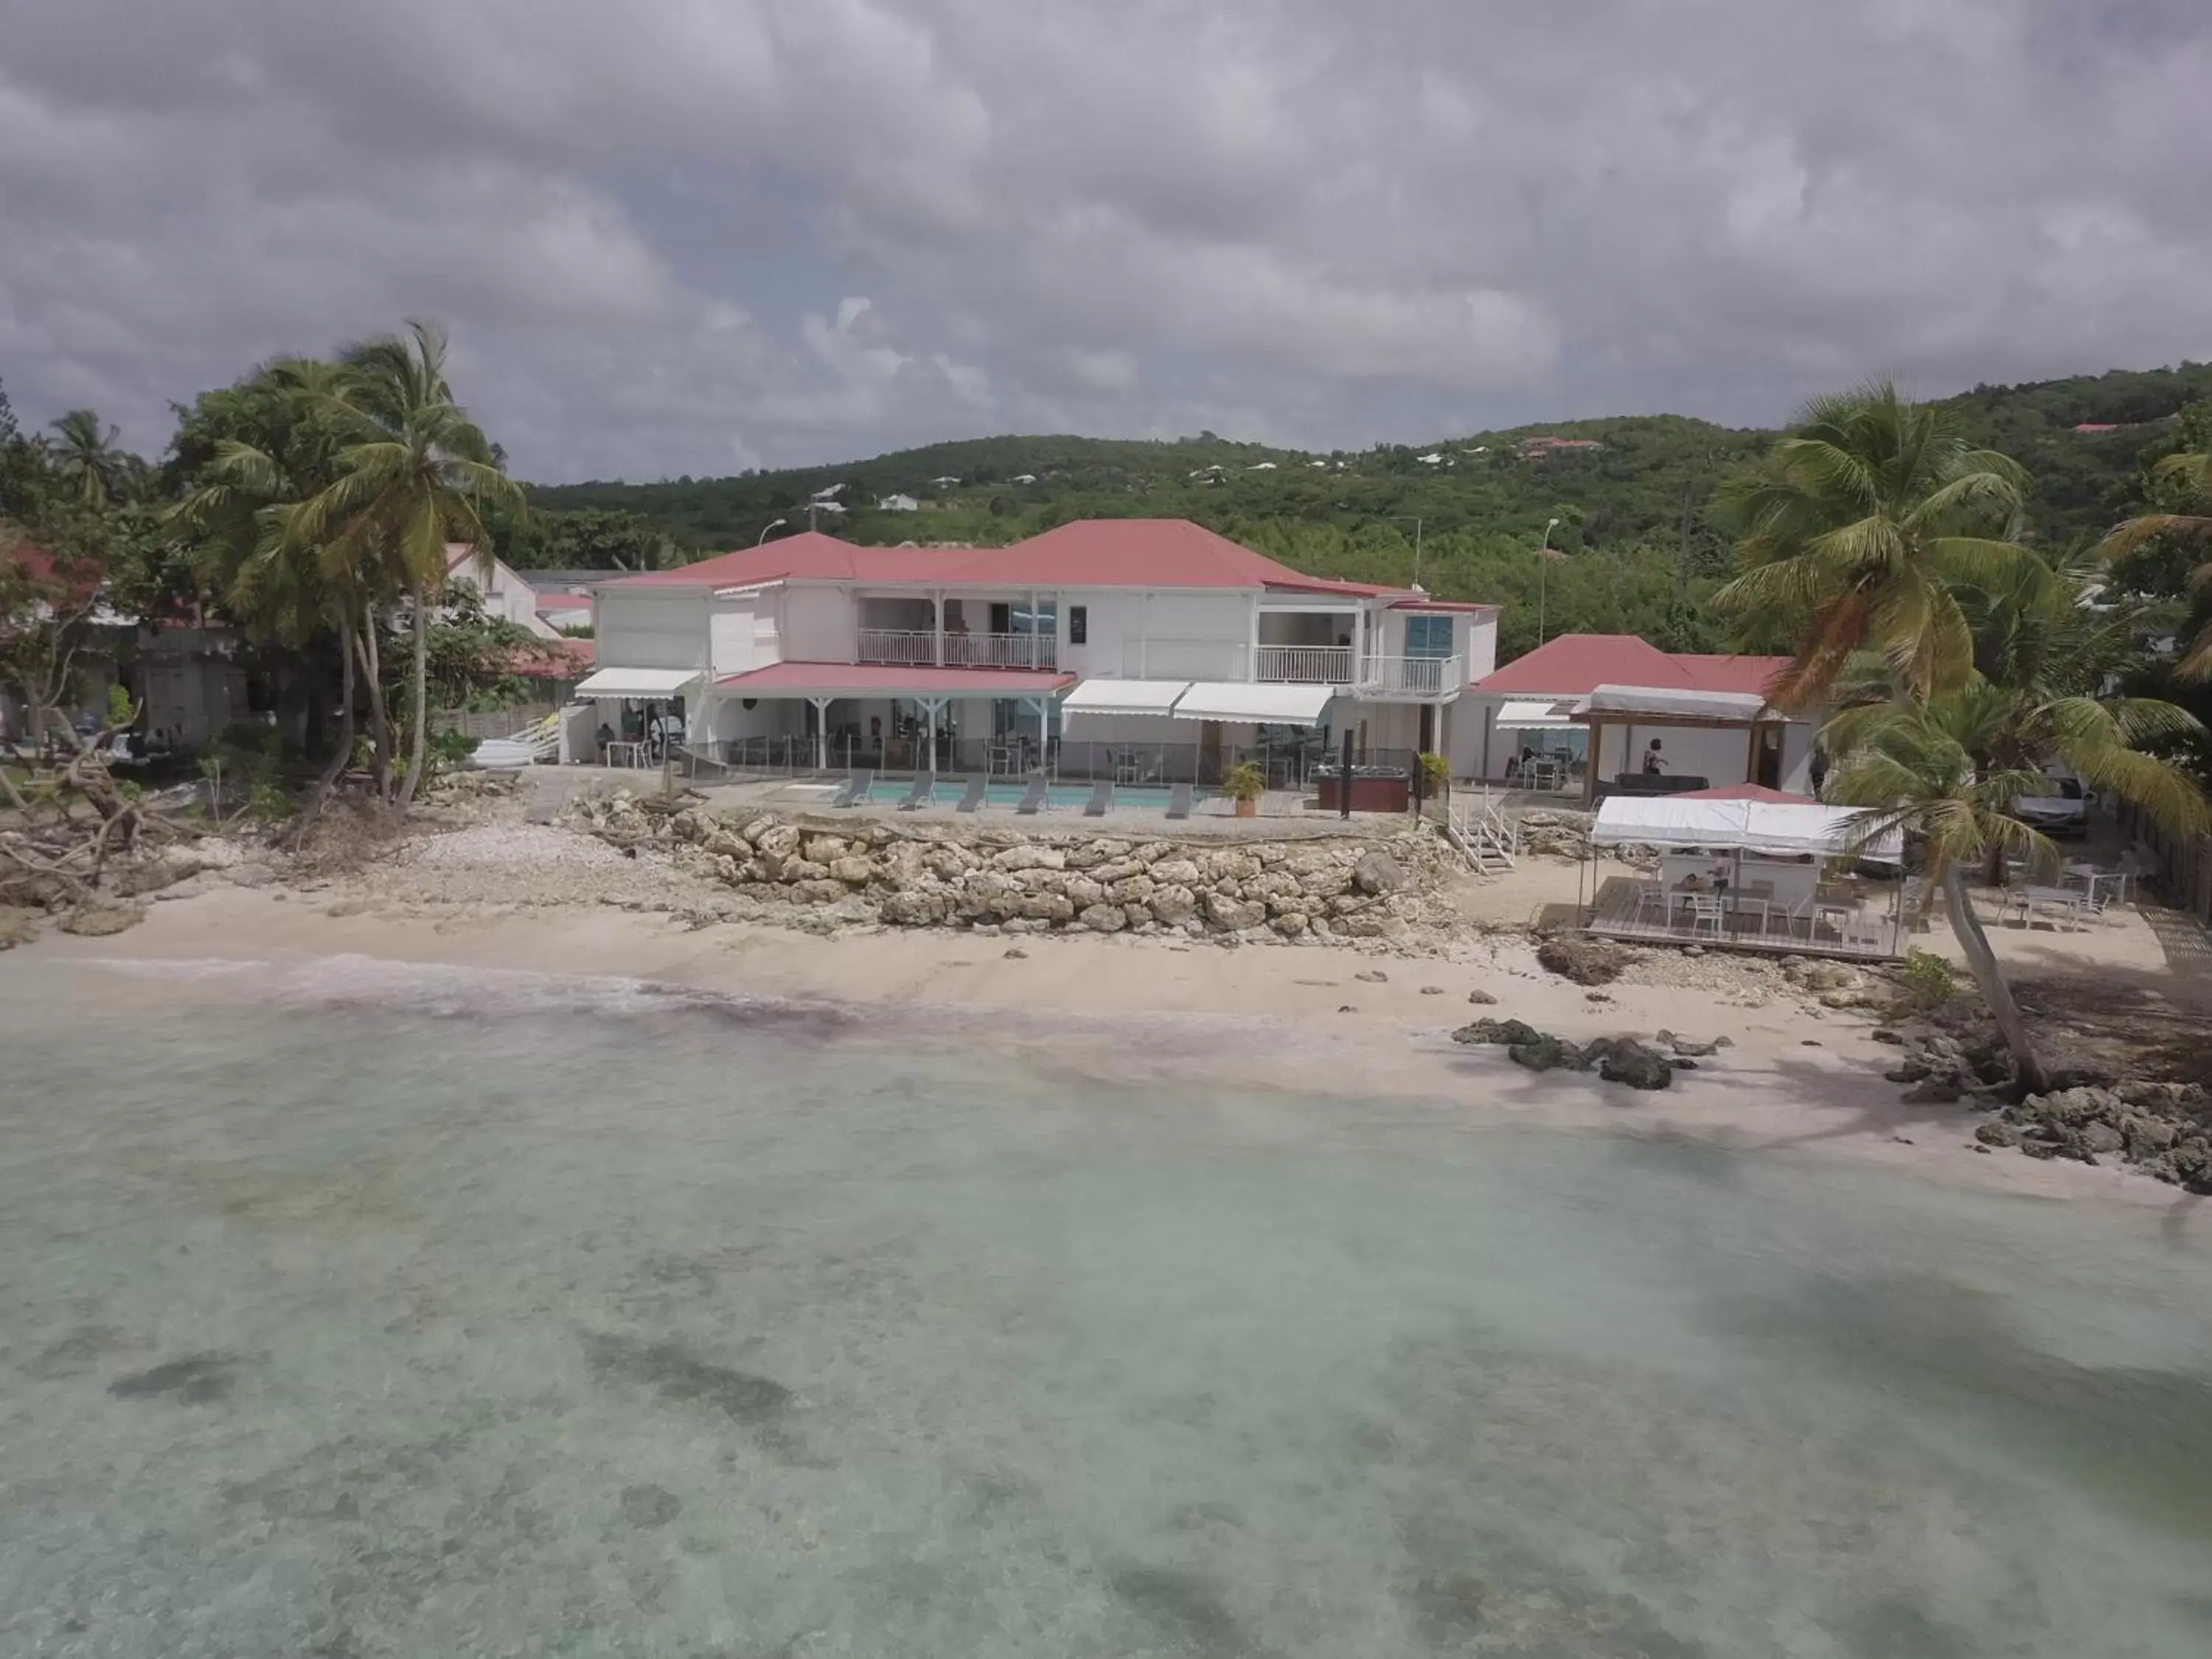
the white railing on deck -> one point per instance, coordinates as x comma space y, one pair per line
1478, 826
1001, 650
904, 647
1412, 677
1305, 664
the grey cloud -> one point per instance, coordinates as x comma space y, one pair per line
688, 235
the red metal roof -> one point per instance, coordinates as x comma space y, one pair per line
885, 680
1441, 604
1749, 792
575, 658
1574, 663
1088, 553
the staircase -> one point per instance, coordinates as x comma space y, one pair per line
544, 738
1485, 837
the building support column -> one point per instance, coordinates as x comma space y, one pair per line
937, 645
931, 708
821, 733
1043, 707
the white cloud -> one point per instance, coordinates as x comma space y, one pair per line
648, 226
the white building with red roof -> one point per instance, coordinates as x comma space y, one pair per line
1708, 715
1150, 634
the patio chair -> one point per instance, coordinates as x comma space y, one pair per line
1179, 801
1650, 896
853, 790
1708, 907
972, 800
1033, 798
1102, 799
924, 790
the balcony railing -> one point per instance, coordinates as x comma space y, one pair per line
1304, 665
1001, 651
918, 648
1411, 676
908, 648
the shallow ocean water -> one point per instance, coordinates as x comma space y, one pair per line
362, 1311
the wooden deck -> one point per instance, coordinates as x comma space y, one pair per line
1617, 915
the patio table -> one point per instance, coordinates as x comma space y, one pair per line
626, 752
2069, 903
2091, 877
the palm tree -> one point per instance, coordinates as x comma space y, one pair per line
1948, 768
244, 508
2189, 474
88, 459
1854, 531
412, 471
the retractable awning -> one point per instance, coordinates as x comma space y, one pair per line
636, 682
1266, 705
1124, 697
1531, 717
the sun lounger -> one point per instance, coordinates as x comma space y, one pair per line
1102, 799
978, 788
853, 790
1179, 801
925, 788
1033, 798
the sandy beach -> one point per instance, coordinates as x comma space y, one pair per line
1798, 1079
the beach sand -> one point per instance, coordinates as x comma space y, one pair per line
1798, 1079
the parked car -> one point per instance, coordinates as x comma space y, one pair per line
2065, 810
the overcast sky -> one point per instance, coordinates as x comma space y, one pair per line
675, 236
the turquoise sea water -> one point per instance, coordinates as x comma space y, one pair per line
364, 1310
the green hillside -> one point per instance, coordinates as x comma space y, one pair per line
1640, 555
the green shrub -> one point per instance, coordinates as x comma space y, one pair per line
1436, 776
1245, 782
1927, 980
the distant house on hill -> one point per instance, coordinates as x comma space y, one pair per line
2097, 426
898, 504
1261, 466
1545, 445
1025, 477
944, 483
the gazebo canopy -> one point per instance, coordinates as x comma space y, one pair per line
1750, 826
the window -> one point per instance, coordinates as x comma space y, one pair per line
1428, 637
1079, 624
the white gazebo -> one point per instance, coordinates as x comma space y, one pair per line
1752, 869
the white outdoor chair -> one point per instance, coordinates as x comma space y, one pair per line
1708, 907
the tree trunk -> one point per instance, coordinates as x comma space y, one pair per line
1982, 962
343, 758
379, 715
420, 743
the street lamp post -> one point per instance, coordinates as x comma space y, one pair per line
772, 524
1543, 562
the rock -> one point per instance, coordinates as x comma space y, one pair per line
1547, 1052
911, 907
1432, 990
1047, 906
1482, 998
818, 889
1933, 1091
1132, 890
1586, 961
1883, 1034
1172, 905
1377, 872
1291, 924
1023, 855
1234, 913
780, 839
854, 870
99, 922
1623, 1059
1910, 1071
1180, 872
1024, 925
1083, 892
798, 870
17, 926
1995, 1132
1105, 919
826, 849
154, 874
1682, 1045
1597, 996
1496, 1032
1017, 954
1372, 976
2103, 1138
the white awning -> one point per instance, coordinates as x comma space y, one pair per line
1268, 705
1755, 826
1531, 716
636, 682
1124, 697
1724, 707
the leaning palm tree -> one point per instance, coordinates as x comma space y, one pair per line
87, 459
1948, 770
413, 470
1856, 529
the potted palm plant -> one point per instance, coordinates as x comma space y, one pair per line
1244, 785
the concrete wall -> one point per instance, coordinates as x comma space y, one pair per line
505, 595
641, 629
819, 625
